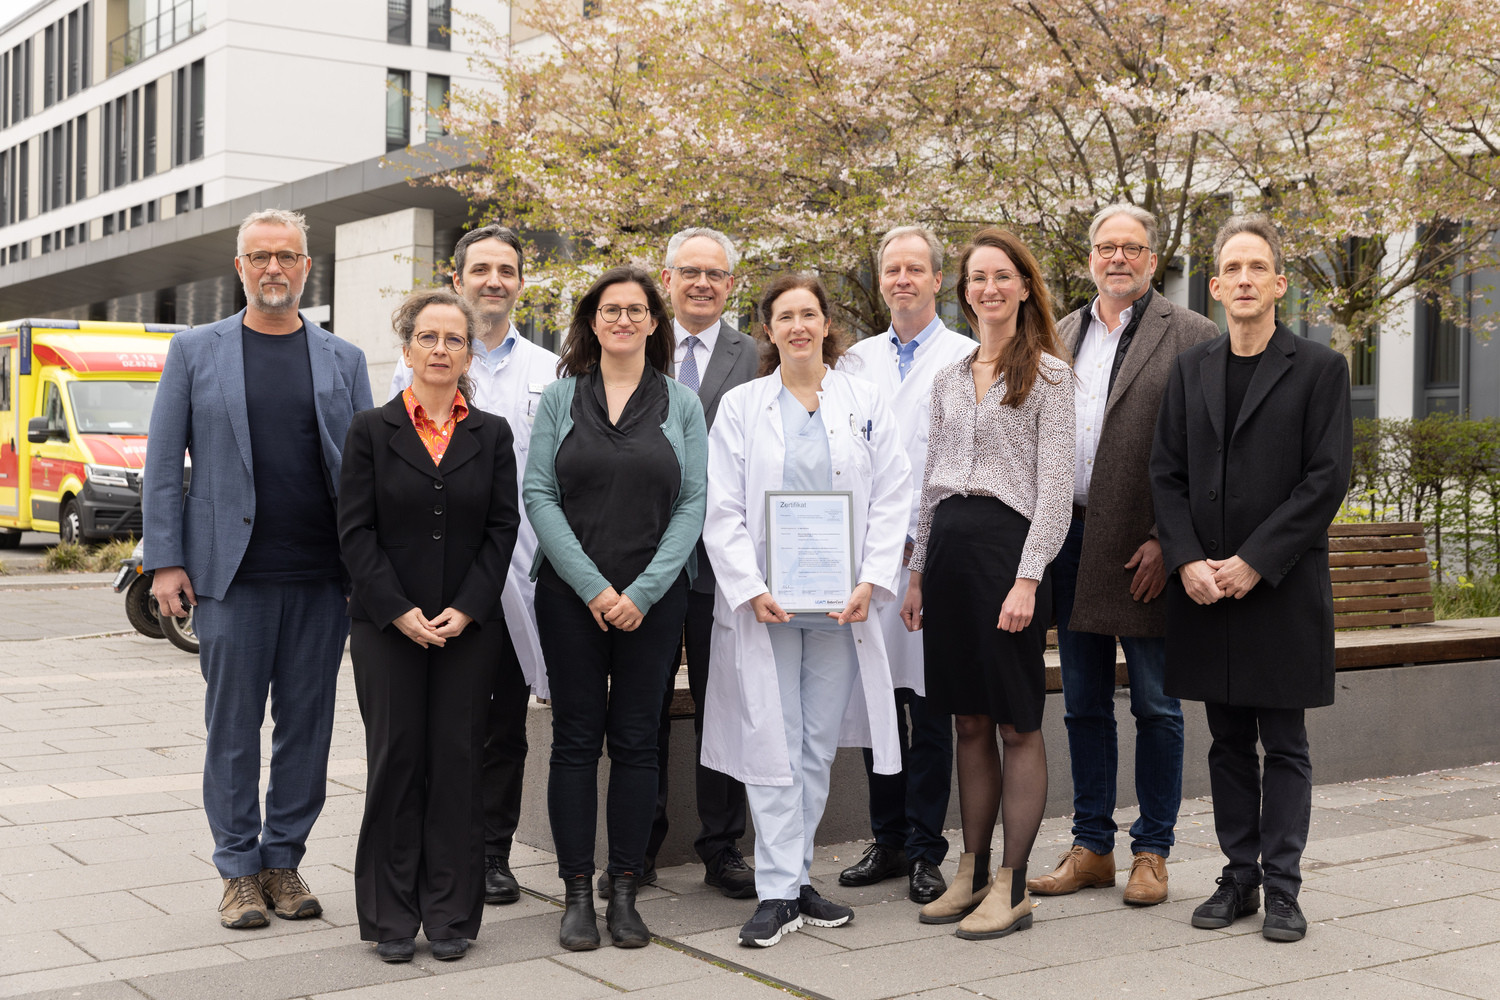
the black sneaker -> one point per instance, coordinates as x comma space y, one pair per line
772, 919
1230, 900
500, 886
730, 875
1284, 920
820, 912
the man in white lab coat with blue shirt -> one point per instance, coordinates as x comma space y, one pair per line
509, 373
907, 810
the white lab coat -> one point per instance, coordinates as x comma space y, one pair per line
743, 731
512, 391
874, 359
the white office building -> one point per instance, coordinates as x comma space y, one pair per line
134, 134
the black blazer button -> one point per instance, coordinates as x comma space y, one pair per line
437, 484
1213, 546
437, 535
438, 509
1213, 495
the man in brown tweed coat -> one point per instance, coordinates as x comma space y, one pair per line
1109, 573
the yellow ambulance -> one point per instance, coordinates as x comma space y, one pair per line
75, 403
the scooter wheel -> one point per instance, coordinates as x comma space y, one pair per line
140, 608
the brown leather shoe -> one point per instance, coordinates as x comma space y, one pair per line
1077, 868
1148, 880
243, 904
286, 891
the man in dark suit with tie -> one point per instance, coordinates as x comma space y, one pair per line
1251, 461
262, 401
711, 358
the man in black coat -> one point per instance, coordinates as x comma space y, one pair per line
1250, 464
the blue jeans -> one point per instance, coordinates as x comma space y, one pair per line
1088, 676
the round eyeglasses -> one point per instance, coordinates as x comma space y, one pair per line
635, 311
261, 259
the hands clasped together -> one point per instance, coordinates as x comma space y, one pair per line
449, 623
611, 607
1207, 580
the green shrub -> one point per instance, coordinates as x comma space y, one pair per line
1467, 598
67, 557
106, 557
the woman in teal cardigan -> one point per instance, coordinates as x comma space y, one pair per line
615, 487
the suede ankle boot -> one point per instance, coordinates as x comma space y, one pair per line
967, 890
626, 928
1005, 910
580, 931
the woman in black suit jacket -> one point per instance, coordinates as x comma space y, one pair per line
427, 520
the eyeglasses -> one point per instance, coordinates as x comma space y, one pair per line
636, 312
1002, 279
715, 275
261, 258
453, 342
1130, 250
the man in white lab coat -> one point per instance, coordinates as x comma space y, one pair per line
509, 373
907, 809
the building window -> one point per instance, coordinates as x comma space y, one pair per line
75, 64
148, 137
439, 24
7, 200
437, 100
81, 158
398, 22
23, 181
187, 113
397, 109
49, 66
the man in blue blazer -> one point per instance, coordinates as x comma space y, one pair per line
261, 402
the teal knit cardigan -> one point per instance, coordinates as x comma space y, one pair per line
688, 434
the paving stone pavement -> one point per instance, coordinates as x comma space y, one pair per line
107, 891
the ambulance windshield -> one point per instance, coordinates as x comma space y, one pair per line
112, 407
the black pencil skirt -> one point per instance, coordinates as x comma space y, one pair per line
973, 667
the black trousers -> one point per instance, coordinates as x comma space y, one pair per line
907, 810
420, 857
1261, 817
606, 688
720, 798
504, 751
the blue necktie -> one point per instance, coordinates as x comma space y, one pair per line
687, 372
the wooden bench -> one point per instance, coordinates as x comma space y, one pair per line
1382, 602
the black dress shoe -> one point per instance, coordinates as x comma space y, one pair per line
500, 886
647, 877
1230, 900
397, 950
447, 949
927, 882
580, 927
878, 864
626, 928
730, 875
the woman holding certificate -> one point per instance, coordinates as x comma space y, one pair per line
614, 488
808, 499
996, 502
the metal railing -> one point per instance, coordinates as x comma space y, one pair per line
177, 24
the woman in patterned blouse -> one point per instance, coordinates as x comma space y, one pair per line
996, 503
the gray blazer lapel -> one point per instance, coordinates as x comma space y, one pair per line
726, 348
325, 380
1148, 334
229, 363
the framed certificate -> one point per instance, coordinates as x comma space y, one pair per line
810, 550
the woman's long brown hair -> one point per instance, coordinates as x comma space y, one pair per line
1020, 361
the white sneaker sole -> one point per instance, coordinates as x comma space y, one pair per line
814, 921
794, 924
